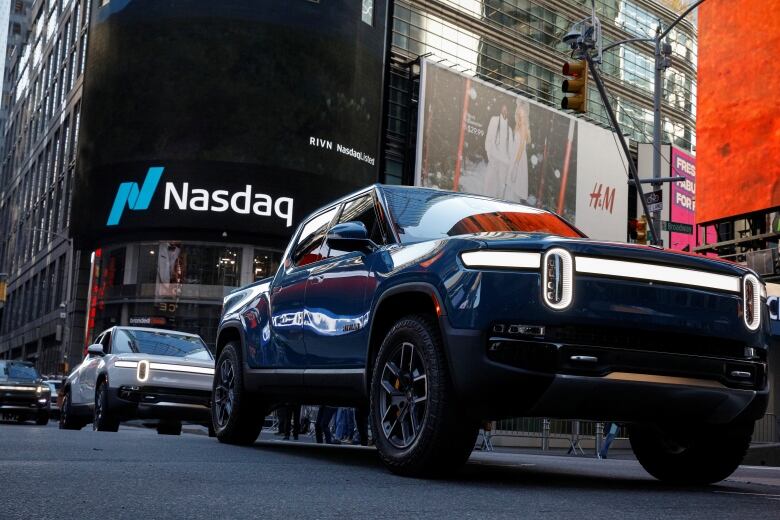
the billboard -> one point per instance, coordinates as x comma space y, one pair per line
278, 101
477, 138
682, 206
738, 140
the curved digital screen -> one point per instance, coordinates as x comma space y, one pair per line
237, 117
738, 137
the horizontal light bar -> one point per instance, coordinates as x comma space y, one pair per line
505, 259
22, 388
181, 368
658, 273
126, 364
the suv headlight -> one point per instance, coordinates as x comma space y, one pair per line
501, 259
752, 290
557, 278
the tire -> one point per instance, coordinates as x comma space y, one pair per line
104, 420
692, 456
210, 427
67, 420
237, 415
42, 419
410, 371
169, 428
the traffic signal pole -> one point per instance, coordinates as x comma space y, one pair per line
616, 126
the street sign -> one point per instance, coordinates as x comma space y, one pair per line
655, 200
677, 227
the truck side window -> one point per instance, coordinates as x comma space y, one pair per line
310, 243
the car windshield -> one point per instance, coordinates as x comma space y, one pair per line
160, 343
16, 370
421, 214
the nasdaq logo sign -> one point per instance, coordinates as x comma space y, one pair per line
182, 197
134, 197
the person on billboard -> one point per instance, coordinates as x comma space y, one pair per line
516, 187
498, 145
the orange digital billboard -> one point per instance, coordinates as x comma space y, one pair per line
738, 117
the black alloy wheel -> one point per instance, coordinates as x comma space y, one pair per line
404, 403
237, 415
419, 427
67, 421
103, 421
224, 392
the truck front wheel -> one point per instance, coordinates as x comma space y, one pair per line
702, 455
414, 415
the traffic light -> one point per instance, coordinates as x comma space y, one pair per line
577, 85
641, 230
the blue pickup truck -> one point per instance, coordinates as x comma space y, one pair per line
434, 311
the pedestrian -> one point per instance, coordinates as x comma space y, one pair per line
611, 434
292, 414
361, 424
322, 426
345, 424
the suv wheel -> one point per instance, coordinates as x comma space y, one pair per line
67, 420
690, 456
42, 419
237, 415
104, 420
417, 426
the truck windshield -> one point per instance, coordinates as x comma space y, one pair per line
15, 370
424, 214
160, 343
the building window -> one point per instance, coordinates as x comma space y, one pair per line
265, 264
368, 12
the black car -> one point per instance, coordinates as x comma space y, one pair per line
435, 310
23, 394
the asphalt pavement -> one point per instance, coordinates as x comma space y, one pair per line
135, 473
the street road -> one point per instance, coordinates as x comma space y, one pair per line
135, 473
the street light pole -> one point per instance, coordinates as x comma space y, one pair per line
662, 55
662, 61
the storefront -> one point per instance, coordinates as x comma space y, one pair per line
173, 285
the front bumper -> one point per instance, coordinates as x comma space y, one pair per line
26, 405
533, 378
154, 402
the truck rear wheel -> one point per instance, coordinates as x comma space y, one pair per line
690, 455
236, 414
414, 416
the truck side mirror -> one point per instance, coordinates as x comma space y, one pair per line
349, 237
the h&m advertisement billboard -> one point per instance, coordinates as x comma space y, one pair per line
226, 120
477, 138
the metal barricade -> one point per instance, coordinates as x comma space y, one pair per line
766, 430
546, 434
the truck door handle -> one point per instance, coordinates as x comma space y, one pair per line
317, 279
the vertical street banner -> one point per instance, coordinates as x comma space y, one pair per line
682, 206
477, 138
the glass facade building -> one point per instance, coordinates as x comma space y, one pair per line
42, 104
516, 44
